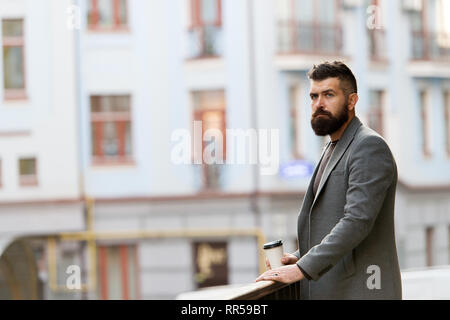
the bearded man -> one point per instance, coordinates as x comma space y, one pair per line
345, 227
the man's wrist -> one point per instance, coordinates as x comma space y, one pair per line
306, 275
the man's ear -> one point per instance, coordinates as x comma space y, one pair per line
352, 100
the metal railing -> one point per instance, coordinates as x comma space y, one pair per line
285, 292
263, 290
430, 46
297, 37
205, 41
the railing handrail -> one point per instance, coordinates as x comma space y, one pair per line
312, 24
251, 291
429, 45
427, 33
206, 41
291, 32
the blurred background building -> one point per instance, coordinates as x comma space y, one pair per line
92, 92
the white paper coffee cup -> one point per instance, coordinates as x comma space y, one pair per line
274, 252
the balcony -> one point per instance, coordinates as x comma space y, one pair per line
431, 46
263, 290
205, 42
309, 38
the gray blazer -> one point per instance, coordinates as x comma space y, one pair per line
346, 232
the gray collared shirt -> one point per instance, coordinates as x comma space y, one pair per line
323, 165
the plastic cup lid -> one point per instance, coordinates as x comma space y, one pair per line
273, 244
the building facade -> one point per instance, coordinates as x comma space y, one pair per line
108, 107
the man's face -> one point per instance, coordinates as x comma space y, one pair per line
329, 106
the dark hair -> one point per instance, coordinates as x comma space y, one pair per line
336, 69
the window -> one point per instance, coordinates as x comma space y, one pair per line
28, 172
294, 129
1, 178
430, 30
376, 31
118, 272
375, 116
107, 14
209, 108
429, 234
377, 44
206, 12
61, 256
13, 59
447, 120
419, 33
111, 129
425, 117
309, 26
205, 29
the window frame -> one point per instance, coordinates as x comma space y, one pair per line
119, 119
124, 251
206, 174
29, 180
196, 15
198, 110
377, 110
377, 38
294, 22
198, 28
429, 33
12, 42
117, 26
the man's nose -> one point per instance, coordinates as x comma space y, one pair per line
321, 101
319, 104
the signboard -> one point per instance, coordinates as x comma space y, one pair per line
296, 169
211, 264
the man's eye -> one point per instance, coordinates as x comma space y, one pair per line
329, 94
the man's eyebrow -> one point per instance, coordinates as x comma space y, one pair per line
325, 91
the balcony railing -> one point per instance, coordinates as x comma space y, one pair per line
296, 37
431, 46
263, 290
205, 42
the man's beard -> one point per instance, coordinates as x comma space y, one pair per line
328, 124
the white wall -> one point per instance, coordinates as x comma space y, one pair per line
49, 115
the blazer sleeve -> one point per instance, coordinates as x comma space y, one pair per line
371, 173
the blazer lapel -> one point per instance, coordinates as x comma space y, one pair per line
338, 152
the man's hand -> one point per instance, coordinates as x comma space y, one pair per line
287, 259
285, 274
